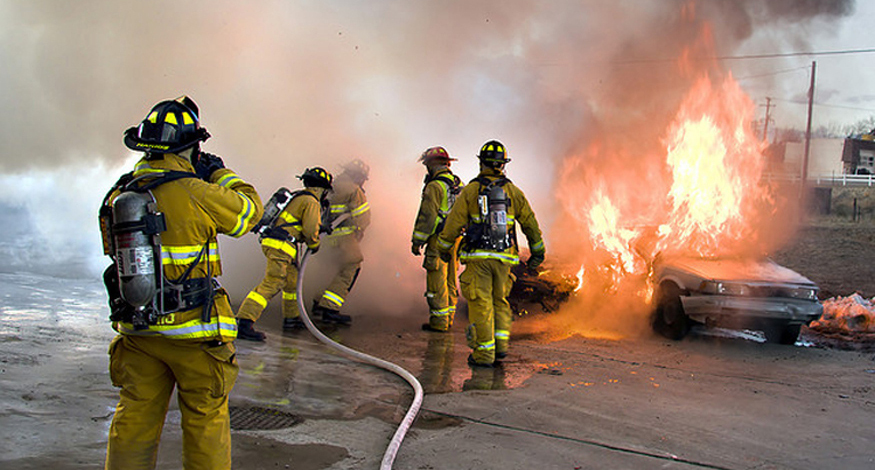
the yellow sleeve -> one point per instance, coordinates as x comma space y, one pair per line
311, 217
233, 203
528, 223
360, 209
427, 217
459, 215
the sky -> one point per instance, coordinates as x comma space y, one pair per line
284, 85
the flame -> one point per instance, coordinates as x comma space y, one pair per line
716, 163
713, 164
693, 188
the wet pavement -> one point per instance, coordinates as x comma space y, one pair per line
566, 402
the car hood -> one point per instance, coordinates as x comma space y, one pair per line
731, 269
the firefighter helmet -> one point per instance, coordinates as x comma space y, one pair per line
493, 154
436, 155
170, 127
358, 170
316, 177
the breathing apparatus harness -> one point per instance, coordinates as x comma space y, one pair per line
454, 187
267, 227
131, 228
492, 231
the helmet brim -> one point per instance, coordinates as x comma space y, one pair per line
135, 143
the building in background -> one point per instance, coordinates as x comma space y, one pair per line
858, 155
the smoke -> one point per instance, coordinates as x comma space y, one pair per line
287, 85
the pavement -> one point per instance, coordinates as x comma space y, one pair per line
564, 398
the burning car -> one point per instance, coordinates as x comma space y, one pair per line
733, 293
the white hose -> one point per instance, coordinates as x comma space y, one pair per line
392, 450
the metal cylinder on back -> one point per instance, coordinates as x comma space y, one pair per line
135, 252
498, 218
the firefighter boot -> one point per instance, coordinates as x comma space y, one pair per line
246, 330
428, 327
333, 316
473, 363
329, 315
293, 323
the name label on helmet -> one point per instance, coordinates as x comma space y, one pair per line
152, 146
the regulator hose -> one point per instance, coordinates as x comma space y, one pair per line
392, 449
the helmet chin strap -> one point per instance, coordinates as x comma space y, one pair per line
192, 154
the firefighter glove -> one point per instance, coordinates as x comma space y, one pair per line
326, 228
534, 261
206, 164
445, 256
313, 249
416, 249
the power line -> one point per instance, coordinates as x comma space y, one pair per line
771, 74
753, 56
824, 105
797, 54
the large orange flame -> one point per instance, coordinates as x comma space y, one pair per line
716, 164
709, 205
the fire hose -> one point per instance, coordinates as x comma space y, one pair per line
395, 443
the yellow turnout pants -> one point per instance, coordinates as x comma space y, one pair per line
348, 255
281, 274
441, 290
486, 284
147, 369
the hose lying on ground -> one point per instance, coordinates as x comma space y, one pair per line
392, 449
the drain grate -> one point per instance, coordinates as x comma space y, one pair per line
254, 418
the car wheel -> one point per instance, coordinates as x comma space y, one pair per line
669, 319
782, 333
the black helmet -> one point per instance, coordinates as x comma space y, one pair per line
171, 126
493, 154
316, 177
358, 170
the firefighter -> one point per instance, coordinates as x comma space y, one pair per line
182, 333
349, 198
490, 209
438, 194
298, 222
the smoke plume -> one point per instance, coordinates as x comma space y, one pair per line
287, 85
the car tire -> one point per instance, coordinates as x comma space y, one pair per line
669, 318
782, 333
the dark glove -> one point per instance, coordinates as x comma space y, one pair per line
206, 164
445, 256
313, 249
326, 228
416, 248
534, 261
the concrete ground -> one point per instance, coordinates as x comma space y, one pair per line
709, 401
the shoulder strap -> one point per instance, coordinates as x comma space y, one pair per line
485, 183
303, 192
300, 192
152, 180
451, 180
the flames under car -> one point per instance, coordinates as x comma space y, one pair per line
732, 293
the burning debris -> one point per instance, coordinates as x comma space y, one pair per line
851, 316
548, 288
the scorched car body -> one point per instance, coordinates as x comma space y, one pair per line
733, 293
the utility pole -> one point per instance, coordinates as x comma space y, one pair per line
808, 129
766, 123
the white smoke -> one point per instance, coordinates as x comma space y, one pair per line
287, 85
